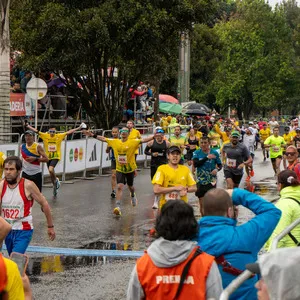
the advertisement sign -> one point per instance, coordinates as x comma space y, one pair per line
10, 149
17, 105
76, 156
93, 152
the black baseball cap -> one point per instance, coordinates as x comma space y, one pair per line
173, 149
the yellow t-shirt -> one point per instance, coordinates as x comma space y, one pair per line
166, 176
2, 159
198, 135
288, 138
264, 134
293, 133
14, 286
134, 134
225, 138
52, 145
124, 154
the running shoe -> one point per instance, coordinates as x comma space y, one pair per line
113, 194
252, 173
155, 205
265, 158
57, 183
54, 190
134, 200
117, 211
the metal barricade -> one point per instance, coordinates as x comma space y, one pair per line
234, 285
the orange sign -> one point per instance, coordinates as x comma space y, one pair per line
17, 105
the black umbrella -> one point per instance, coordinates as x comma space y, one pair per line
199, 106
196, 112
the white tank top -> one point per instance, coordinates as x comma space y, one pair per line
16, 208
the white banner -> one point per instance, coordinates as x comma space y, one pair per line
10, 149
76, 155
93, 153
106, 162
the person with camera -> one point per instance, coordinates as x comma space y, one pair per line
235, 246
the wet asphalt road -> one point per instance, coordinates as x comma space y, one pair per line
83, 218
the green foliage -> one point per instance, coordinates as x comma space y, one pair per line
82, 39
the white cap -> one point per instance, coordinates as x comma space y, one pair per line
83, 126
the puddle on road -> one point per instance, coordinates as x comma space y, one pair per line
137, 237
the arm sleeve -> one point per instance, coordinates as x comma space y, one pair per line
147, 150
254, 233
214, 283
285, 220
135, 290
199, 162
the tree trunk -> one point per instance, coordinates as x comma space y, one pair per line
156, 97
5, 126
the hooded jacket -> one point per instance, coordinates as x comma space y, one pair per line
239, 244
167, 254
290, 212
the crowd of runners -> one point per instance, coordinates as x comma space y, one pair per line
181, 164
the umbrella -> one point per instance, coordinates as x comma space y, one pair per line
170, 108
200, 106
167, 98
196, 112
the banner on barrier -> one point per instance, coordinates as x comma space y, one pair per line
93, 153
75, 156
10, 149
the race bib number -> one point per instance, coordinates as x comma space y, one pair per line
122, 159
10, 213
276, 149
231, 163
172, 196
52, 148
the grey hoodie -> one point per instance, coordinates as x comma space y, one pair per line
165, 253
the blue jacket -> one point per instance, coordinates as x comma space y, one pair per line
239, 244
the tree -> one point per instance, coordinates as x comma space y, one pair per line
257, 68
83, 39
4, 71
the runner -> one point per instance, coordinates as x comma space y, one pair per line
288, 138
178, 140
191, 144
249, 142
275, 143
157, 149
52, 144
207, 163
173, 180
2, 159
237, 156
264, 133
296, 140
115, 135
273, 123
32, 155
292, 158
133, 134
124, 151
17, 196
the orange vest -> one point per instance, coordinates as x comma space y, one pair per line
162, 283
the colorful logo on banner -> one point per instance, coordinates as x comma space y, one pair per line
71, 155
17, 105
76, 154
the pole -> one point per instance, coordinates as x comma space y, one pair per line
229, 111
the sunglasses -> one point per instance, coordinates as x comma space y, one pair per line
124, 130
52, 131
290, 153
160, 131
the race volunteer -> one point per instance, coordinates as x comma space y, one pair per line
178, 140
173, 180
207, 163
157, 149
264, 133
124, 151
235, 246
52, 144
236, 157
115, 135
275, 143
2, 159
17, 196
32, 155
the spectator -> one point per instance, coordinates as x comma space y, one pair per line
158, 272
280, 275
292, 158
235, 246
289, 204
25, 80
16, 88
